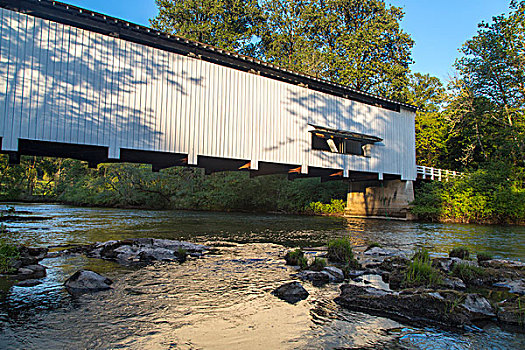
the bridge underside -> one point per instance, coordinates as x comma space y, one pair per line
95, 155
369, 196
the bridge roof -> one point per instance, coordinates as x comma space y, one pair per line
96, 22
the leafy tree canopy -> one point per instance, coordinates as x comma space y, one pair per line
493, 92
358, 43
228, 24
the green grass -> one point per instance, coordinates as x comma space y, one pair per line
420, 271
181, 254
340, 250
296, 258
8, 254
318, 264
484, 256
336, 206
467, 272
459, 252
421, 254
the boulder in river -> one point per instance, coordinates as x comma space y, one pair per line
291, 292
86, 281
28, 283
31, 272
336, 275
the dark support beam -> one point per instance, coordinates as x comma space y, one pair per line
214, 164
158, 160
90, 154
266, 168
14, 158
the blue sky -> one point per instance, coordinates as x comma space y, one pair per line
439, 27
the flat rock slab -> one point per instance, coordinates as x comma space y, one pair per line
502, 263
145, 250
336, 274
28, 283
517, 286
442, 308
87, 281
291, 292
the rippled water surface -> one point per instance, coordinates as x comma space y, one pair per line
222, 301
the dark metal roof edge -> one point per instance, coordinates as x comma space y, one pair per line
60, 12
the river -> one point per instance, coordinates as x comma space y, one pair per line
222, 301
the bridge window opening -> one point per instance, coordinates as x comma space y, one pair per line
344, 142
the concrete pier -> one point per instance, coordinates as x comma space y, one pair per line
385, 199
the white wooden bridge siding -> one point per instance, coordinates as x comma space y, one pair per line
65, 84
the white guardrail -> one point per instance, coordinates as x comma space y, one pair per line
429, 173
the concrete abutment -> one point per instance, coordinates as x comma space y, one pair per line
385, 199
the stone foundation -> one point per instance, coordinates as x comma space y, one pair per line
380, 199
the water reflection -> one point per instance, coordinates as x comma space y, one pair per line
222, 301
86, 225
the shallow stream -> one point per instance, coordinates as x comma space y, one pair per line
222, 301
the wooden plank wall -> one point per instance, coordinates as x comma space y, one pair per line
65, 84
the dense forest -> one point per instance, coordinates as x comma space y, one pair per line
473, 123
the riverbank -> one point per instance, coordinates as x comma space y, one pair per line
487, 196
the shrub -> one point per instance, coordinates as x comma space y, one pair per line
318, 264
420, 271
336, 206
8, 254
292, 257
467, 272
484, 256
340, 250
459, 252
302, 262
491, 195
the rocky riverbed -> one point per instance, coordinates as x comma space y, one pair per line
24, 267
415, 288
410, 287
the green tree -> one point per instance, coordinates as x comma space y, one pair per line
228, 24
428, 95
285, 41
352, 42
493, 73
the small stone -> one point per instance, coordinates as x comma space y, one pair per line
28, 283
377, 251
25, 271
476, 304
517, 287
453, 283
436, 295
444, 264
317, 278
355, 273
336, 275
85, 281
291, 292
